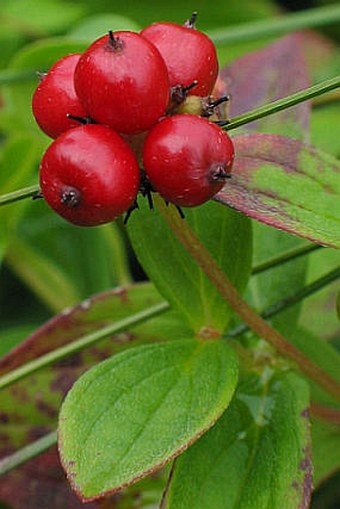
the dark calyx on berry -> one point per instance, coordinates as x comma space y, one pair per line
190, 23
179, 92
81, 120
70, 197
209, 106
114, 43
219, 173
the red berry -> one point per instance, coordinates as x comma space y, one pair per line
122, 82
89, 175
55, 98
187, 159
188, 53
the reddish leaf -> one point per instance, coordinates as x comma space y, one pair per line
39, 484
29, 409
286, 184
266, 75
96, 312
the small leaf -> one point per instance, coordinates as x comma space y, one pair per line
226, 234
131, 414
286, 184
256, 456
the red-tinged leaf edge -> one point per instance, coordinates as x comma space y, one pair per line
72, 323
262, 201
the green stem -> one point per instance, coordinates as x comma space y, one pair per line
284, 103
284, 258
20, 194
28, 452
81, 343
276, 26
290, 301
211, 269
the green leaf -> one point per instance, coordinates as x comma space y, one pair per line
38, 17
226, 234
286, 184
325, 447
89, 29
319, 310
131, 414
324, 355
324, 136
68, 264
269, 287
256, 456
18, 161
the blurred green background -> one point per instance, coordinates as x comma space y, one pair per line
42, 274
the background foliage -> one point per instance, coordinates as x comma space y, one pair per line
48, 265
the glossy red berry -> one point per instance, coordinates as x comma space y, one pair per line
188, 53
55, 98
187, 159
122, 81
89, 175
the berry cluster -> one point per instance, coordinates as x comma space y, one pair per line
133, 113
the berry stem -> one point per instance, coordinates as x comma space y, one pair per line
190, 23
114, 43
20, 194
282, 104
219, 279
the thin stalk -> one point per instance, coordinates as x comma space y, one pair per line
290, 301
28, 452
284, 258
284, 103
319, 16
325, 413
81, 343
207, 263
20, 194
